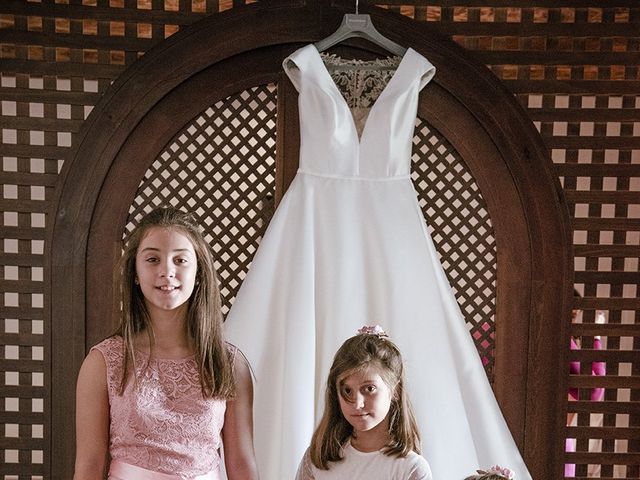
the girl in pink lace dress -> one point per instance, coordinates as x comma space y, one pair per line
159, 398
368, 429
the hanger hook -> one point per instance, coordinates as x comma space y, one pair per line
356, 7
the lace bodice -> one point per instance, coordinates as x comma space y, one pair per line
162, 422
360, 81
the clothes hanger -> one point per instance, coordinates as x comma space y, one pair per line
359, 25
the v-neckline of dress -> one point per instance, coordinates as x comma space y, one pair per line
326, 77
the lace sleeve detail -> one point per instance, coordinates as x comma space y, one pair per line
112, 350
305, 472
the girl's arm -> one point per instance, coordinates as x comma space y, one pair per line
92, 418
237, 432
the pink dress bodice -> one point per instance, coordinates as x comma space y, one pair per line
162, 422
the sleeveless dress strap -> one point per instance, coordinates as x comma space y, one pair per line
296, 62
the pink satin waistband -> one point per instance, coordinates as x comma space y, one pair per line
124, 471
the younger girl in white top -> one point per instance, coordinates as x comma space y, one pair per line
368, 430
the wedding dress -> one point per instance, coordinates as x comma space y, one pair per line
348, 246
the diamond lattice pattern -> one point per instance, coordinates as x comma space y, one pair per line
461, 229
221, 168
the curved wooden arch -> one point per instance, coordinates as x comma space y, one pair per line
465, 102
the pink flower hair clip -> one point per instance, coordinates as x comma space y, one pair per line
372, 330
494, 473
497, 470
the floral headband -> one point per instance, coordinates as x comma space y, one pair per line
496, 470
372, 330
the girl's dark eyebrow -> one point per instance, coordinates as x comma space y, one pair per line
154, 249
364, 382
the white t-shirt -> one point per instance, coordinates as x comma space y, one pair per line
357, 465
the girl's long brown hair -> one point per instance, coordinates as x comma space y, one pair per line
358, 353
204, 315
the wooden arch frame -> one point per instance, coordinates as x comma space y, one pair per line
465, 103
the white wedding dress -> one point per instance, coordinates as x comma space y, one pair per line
348, 246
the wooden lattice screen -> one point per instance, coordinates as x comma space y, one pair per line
573, 67
221, 167
459, 224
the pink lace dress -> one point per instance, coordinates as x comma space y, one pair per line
162, 427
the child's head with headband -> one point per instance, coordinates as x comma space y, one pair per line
369, 349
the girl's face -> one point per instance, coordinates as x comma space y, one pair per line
365, 400
166, 267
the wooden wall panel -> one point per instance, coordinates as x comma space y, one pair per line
572, 65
